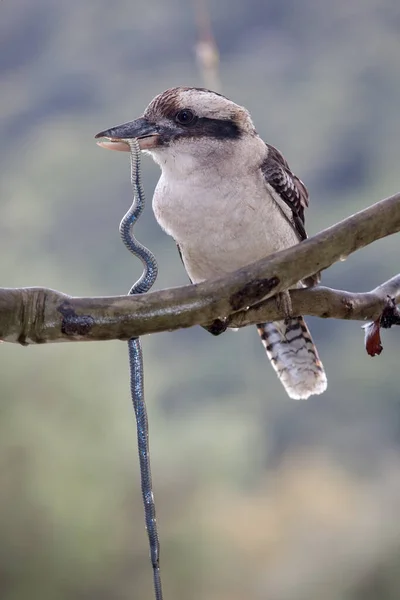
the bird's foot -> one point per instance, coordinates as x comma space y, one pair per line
217, 327
284, 304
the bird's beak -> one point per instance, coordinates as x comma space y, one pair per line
117, 138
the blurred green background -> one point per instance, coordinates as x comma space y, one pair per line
257, 496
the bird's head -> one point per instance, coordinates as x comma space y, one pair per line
183, 120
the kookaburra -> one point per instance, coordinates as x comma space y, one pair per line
228, 199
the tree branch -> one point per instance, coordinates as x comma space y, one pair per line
37, 315
326, 303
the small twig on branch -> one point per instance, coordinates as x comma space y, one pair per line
39, 315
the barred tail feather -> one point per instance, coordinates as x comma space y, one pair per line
292, 353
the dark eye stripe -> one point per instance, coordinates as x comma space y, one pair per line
216, 128
220, 129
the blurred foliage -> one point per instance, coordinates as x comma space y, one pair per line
257, 496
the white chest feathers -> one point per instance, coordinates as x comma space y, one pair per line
221, 218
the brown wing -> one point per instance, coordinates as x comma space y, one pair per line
290, 189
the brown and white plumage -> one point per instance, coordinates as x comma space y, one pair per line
288, 343
228, 199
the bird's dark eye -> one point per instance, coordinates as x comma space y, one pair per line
185, 117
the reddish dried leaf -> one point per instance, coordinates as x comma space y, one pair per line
372, 339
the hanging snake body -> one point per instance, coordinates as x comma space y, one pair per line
143, 284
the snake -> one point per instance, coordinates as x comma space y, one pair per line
135, 353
